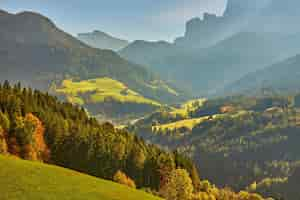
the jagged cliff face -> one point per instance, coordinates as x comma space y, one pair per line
201, 33
205, 32
246, 38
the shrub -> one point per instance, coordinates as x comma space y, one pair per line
123, 179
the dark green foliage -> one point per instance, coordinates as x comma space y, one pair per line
258, 139
79, 142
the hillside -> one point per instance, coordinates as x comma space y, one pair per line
236, 141
105, 96
39, 54
148, 52
42, 129
36, 126
23, 180
101, 40
282, 77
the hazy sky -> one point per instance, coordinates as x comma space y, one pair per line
129, 19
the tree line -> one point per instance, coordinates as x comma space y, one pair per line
37, 126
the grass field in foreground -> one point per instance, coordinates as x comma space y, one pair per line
97, 90
26, 180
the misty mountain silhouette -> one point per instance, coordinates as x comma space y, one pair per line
34, 51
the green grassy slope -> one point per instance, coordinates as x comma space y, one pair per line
25, 180
100, 89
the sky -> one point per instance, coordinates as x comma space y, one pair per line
128, 19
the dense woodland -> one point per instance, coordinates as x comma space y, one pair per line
243, 142
239, 143
36, 126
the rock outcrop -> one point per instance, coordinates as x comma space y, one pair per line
201, 33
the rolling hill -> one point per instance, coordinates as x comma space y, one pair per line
106, 98
236, 141
101, 89
23, 180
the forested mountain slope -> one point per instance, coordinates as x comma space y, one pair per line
36, 126
237, 141
38, 53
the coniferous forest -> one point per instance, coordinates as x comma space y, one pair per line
38, 127
144, 100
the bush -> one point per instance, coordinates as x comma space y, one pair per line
123, 179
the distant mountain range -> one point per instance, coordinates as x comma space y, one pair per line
217, 51
201, 33
206, 71
214, 53
101, 40
38, 54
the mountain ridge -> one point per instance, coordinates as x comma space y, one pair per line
38, 53
212, 54
102, 40
280, 77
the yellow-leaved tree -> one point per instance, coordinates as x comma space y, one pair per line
3, 144
123, 179
178, 186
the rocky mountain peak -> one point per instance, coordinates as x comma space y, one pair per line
238, 8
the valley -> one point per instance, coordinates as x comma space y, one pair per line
210, 113
236, 140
